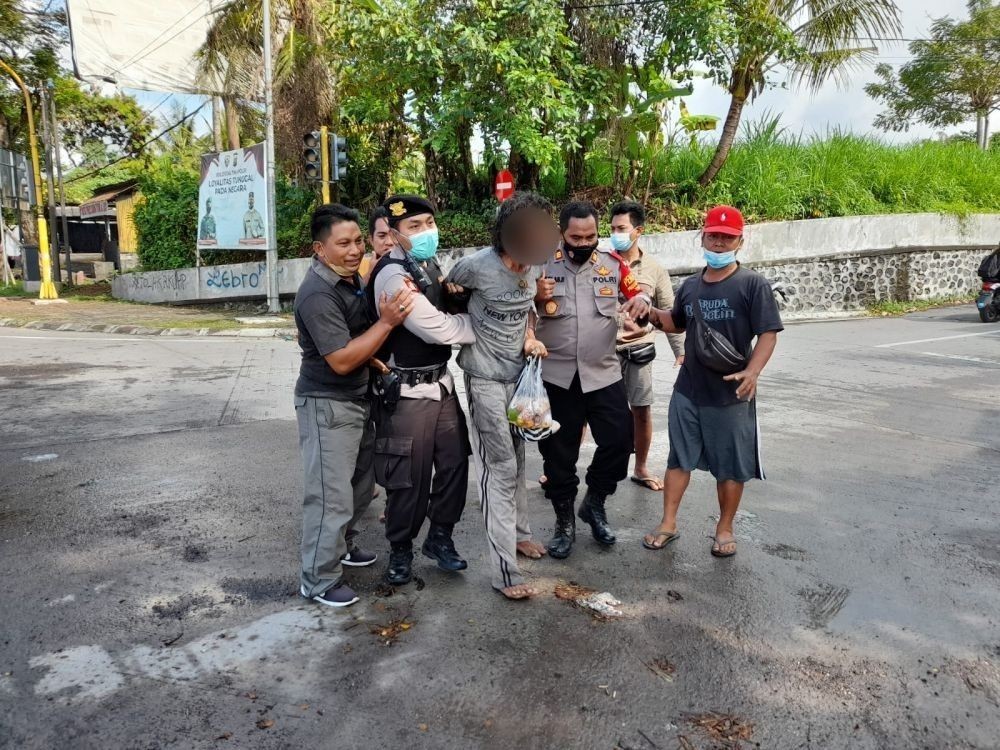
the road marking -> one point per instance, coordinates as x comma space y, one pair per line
40, 458
977, 360
939, 338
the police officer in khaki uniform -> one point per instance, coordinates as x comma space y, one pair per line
578, 308
422, 441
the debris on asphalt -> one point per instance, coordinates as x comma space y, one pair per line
601, 606
674, 596
172, 641
224, 736
722, 727
265, 723
662, 668
389, 632
422, 727
605, 605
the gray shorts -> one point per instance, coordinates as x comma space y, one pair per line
638, 382
724, 440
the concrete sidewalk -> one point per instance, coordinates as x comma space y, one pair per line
87, 314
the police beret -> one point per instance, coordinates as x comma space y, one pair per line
404, 206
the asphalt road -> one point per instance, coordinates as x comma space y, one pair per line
149, 520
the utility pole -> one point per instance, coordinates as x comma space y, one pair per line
47, 289
49, 176
57, 140
273, 299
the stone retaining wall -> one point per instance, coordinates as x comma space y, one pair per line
828, 265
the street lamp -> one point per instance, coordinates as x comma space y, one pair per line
47, 290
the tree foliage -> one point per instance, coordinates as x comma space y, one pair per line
954, 76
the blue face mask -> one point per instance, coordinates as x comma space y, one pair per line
720, 260
621, 241
425, 244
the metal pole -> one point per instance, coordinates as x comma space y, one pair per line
50, 179
273, 300
57, 139
324, 160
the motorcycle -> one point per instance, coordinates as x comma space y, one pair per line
989, 302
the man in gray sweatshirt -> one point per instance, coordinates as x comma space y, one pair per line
500, 282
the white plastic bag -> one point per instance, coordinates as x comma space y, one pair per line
529, 412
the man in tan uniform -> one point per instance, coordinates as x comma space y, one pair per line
578, 308
636, 345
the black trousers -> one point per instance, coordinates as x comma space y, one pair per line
607, 412
422, 459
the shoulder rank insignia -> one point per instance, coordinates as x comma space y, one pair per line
559, 255
397, 208
593, 257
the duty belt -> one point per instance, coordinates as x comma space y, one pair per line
411, 376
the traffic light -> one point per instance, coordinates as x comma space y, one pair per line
312, 154
338, 157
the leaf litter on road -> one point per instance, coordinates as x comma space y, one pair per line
601, 606
390, 631
722, 727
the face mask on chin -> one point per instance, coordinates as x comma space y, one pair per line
578, 254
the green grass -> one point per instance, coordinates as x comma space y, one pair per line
15, 290
772, 177
889, 308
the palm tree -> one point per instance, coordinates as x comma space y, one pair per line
230, 60
816, 40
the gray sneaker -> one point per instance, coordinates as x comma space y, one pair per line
340, 595
358, 558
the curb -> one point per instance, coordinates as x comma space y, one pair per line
137, 330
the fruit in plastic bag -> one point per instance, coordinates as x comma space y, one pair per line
529, 411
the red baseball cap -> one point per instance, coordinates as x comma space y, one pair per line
724, 220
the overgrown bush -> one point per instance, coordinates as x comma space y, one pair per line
166, 219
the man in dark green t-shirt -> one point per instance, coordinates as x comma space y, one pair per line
336, 433
713, 417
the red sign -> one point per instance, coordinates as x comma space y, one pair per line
503, 188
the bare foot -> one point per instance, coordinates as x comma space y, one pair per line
381, 517
521, 591
531, 548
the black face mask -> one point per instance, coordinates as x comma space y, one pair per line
578, 254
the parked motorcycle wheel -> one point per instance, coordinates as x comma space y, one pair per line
989, 314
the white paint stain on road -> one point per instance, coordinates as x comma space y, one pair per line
40, 457
68, 599
92, 673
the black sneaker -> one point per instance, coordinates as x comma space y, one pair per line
358, 558
340, 595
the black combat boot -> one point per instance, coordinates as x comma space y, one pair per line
400, 568
439, 547
564, 534
592, 511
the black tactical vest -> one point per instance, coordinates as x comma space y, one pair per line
407, 349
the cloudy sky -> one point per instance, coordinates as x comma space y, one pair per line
848, 108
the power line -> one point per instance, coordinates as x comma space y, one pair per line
138, 150
146, 51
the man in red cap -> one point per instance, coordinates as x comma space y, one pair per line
713, 416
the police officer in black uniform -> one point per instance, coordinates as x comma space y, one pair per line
422, 444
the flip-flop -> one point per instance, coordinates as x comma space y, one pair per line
670, 536
645, 482
719, 552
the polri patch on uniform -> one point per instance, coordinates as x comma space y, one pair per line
551, 307
603, 271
